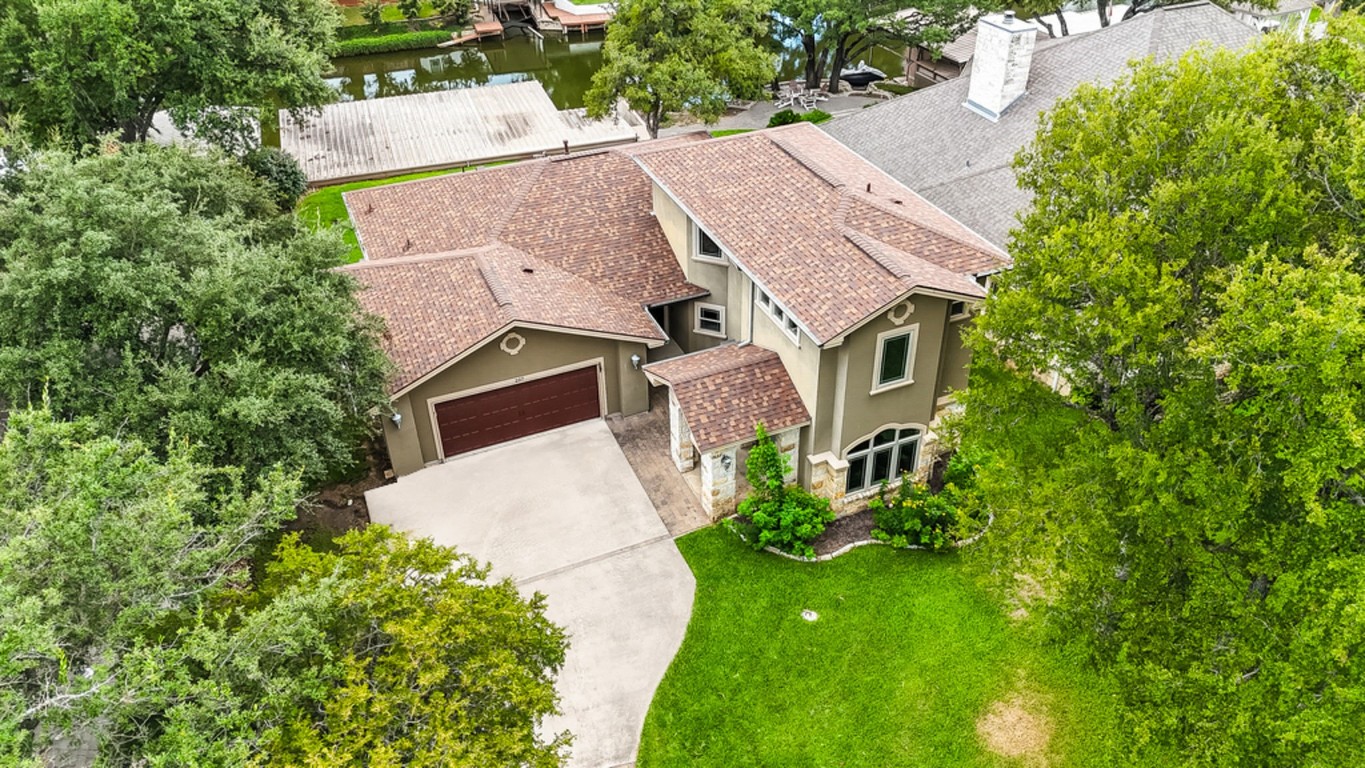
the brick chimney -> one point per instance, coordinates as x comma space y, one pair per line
1004, 51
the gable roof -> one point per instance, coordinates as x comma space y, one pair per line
960, 161
568, 243
726, 390
802, 215
439, 307
588, 214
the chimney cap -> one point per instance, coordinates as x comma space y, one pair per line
1009, 16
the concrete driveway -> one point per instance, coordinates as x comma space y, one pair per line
562, 513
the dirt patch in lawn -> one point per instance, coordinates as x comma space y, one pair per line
1018, 728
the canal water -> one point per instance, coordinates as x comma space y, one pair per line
565, 67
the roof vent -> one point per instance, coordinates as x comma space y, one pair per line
1000, 65
528, 270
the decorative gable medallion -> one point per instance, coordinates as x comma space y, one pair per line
512, 343
901, 312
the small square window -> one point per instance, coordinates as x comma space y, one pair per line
764, 300
778, 314
957, 310
711, 320
791, 326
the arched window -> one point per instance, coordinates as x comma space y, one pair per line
886, 455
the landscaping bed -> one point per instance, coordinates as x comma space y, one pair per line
908, 663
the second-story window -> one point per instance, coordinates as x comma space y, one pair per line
708, 249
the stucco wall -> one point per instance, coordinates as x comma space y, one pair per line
863, 412
414, 444
956, 359
674, 223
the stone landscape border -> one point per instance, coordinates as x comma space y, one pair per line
970, 540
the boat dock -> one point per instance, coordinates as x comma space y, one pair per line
377, 138
575, 22
482, 30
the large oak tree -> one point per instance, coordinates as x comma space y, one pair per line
84, 68
158, 291
690, 56
1192, 500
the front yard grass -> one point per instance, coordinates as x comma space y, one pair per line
906, 656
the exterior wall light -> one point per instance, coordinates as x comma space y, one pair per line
397, 419
726, 461
635, 362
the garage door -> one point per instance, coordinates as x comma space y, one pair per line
489, 418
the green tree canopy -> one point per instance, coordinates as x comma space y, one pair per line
839, 32
1192, 500
383, 652
85, 68
160, 292
681, 56
100, 542
130, 621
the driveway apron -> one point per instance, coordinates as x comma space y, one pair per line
562, 513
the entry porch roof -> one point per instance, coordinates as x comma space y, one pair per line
724, 391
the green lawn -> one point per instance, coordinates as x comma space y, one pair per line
324, 207
352, 17
907, 654
729, 132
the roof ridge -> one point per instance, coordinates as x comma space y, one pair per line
806, 161
421, 258
901, 213
880, 252
518, 199
496, 288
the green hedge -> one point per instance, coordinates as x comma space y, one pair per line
406, 41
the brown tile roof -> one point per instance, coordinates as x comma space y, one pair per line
802, 213
445, 255
589, 214
725, 391
440, 306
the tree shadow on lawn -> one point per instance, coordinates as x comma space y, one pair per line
907, 655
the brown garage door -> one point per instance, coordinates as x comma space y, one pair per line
493, 417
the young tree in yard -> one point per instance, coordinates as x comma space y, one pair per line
1194, 504
160, 292
840, 32
411, 9
689, 56
384, 652
85, 68
100, 544
785, 516
373, 12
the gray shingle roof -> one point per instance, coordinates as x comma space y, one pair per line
960, 161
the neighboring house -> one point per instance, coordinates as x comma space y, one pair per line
924, 67
954, 142
1288, 16
769, 277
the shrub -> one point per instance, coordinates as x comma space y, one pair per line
918, 516
787, 117
403, 41
455, 10
372, 11
784, 516
411, 9
913, 517
281, 172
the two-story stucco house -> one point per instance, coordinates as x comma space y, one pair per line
770, 277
